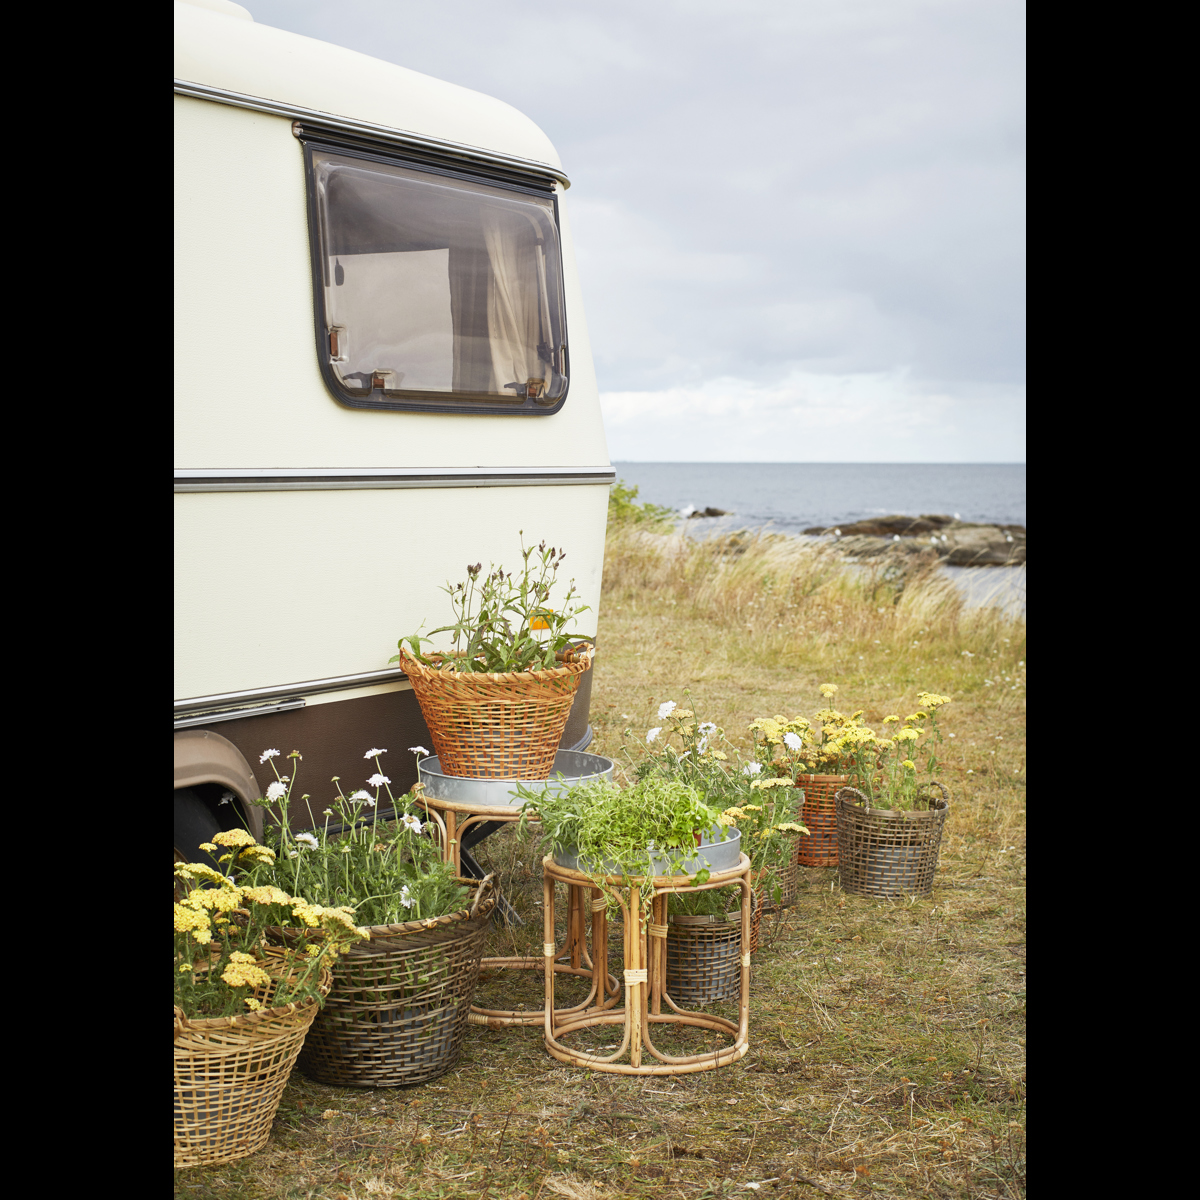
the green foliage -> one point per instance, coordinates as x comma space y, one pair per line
386, 872
656, 818
501, 625
623, 509
713, 902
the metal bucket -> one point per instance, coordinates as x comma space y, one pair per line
719, 850
571, 768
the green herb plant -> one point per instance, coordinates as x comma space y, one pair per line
502, 623
620, 831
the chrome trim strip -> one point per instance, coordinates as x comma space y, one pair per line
297, 479
293, 691
236, 714
385, 133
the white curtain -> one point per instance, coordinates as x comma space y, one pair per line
516, 297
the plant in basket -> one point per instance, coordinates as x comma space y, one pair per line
399, 1006
890, 822
242, 1006
497, 700
763, 809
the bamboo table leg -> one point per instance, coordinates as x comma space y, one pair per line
644, 953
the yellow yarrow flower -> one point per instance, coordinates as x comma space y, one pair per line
244, 974
234, 837
252, 1004
719, 755
189, 920
266, 895
199, 871
932, 699
891, 720
909, 764
828, 689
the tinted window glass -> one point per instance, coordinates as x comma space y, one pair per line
434, 288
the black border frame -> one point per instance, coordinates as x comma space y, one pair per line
429, 162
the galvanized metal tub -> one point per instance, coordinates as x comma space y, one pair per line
719, 850
571, 768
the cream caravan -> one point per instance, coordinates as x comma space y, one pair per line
382, 373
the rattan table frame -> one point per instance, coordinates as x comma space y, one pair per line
452, 818
645, 959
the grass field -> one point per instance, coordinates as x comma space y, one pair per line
887, 1038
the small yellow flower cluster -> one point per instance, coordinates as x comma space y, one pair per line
758, 785
242, 972
931, 700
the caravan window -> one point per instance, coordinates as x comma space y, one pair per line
435, 292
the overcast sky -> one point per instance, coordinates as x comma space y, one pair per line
799, 223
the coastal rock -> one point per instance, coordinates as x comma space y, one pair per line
707, 512
958, 543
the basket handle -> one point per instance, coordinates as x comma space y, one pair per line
855, 792
941, 787
486, 884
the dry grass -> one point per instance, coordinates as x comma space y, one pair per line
887, 1038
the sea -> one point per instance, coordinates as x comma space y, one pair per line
792, 497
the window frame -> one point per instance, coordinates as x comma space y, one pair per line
432, 163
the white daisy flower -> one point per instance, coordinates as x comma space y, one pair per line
267, 754
666, 709
378, 780
651, 734
276, 791
418, 750
707, 727
406, 897
307, 839
373, 753
227, 797
411, 823
752, 768
360, 795
792, 742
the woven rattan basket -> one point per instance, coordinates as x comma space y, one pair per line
230, 1073
819, 848
884, 853
704, 958
487, 726
398, 1010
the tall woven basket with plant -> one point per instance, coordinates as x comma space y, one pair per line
890, 824
242, 1007
497, 702
400, 1000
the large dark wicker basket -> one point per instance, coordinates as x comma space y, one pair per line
398, 1010
704, 958
884, 853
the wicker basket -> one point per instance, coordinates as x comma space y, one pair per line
487, 726
704, 958
819, 848
398, 1010
884, 853
230, 1073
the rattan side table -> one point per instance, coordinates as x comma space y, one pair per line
453, 819
645, 962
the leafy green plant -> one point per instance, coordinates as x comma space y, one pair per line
624, 829
385, 872
502, 623
623, 509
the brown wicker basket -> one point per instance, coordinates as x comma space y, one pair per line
398, 1011
884, 853
487, 726
787, 877
819, 848
230, 1073
704, 958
